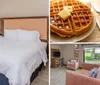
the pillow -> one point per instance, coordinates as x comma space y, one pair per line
0, 37
93, 72
98, 74
11, 34
3, 80
28, 35
73, 61
44, 44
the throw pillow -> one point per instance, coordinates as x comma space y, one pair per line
3, 80
93, 72
73, 61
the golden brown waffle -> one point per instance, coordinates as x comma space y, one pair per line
78, 23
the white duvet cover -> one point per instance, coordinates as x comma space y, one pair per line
18, 59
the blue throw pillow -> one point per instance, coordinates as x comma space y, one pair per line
93, 72
3, 80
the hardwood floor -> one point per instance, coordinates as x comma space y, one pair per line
42, 78
58, 76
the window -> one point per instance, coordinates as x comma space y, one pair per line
92, 55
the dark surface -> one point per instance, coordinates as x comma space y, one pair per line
35, 73
3, 80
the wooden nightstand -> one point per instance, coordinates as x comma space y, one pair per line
55, 62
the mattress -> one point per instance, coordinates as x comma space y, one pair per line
19, 59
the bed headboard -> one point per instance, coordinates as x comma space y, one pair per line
39, 24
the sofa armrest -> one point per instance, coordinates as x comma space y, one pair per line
73, 78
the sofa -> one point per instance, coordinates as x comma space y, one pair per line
71, 65
81, 77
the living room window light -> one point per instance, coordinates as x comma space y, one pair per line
92, 55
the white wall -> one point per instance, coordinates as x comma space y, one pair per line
56, 46
20, 8
67, 52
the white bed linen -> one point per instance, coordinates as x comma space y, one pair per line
19, 59
0, 37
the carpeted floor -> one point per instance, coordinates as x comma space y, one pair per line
42, 78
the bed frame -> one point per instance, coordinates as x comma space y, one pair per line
38, 23
35, 73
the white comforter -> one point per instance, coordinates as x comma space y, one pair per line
18, 59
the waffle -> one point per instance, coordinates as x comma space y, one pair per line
79, 22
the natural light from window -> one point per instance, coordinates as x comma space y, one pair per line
92, 55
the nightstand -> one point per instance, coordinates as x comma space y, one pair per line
55, 62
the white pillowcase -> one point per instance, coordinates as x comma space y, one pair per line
28, 35
44, 44
21, 35
11, 34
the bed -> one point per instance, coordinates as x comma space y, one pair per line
22, 59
